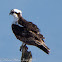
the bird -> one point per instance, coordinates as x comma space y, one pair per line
27, 32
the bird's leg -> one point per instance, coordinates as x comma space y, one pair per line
22, 46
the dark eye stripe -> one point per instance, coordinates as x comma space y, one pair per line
15, 12
12, 12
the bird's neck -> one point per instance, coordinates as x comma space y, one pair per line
15, 21
19, 21
16, 18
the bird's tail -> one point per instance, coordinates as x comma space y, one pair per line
44, 48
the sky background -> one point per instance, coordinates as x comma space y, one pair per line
46, 14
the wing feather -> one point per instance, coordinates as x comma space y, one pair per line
28, 25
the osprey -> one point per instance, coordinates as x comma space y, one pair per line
27, 32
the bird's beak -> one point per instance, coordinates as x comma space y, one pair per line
10, 13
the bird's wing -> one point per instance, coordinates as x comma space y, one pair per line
22, 32
29, 25
25, 35
29, 37
33, 27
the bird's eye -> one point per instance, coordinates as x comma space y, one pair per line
12, 12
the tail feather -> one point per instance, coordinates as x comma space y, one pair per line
44, 48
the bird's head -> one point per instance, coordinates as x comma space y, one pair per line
15, 13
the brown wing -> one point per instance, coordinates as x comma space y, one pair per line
24, 35
29, 25
29, 37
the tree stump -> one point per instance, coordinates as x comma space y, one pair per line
26, 55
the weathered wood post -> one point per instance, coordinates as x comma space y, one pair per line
26, 55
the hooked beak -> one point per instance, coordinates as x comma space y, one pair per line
11, 12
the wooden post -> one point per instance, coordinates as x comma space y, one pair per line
26, 55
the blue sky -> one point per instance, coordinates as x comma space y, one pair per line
46, 14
